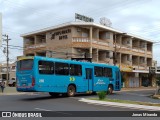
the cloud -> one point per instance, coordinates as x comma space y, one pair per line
139, 17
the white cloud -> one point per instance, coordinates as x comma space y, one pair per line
140, 17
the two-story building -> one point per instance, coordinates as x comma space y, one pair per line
133, 54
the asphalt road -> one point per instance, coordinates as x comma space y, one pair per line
43, 102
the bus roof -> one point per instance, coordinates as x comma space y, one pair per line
24, 57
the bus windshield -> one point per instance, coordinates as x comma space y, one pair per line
26, 64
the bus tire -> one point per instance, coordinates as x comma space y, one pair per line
110, 89
71, 91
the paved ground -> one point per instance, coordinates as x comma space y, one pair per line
11, 100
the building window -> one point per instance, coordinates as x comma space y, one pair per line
107, 72
98, 71
46, 67
75, 70
107, 55
61, 68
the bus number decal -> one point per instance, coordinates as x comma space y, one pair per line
41, 80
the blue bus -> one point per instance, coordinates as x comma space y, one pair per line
59, 76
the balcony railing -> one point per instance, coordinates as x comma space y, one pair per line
100, 42
35, 46
80, 39
136, 49
87, 40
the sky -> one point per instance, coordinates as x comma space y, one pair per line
139, 17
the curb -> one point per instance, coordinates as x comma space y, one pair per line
131, 106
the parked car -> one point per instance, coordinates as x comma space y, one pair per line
12, 82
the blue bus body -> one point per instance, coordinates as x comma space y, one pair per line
41, 74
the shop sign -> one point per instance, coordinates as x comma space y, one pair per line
83, 18
62, 34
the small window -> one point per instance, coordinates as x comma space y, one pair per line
61, 68
46, 67
98, 71
75, 70
107, 55
108, 72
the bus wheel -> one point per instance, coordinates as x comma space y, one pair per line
71, 91
110, 89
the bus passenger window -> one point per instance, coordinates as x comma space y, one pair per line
98, 71
61, 68
75, 70
46, 67
108, 72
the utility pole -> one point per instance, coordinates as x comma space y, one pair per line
7, 59
115, 51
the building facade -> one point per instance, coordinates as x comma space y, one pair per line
133, 54
11, 71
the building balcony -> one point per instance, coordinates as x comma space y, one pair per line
142, 66
135, 66
97, 43
81, 42
124, 49
85, 42
35, 46
149, 54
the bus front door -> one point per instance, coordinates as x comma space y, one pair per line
89, 78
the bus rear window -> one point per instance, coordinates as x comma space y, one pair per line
25, 64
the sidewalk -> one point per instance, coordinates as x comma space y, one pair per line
138, 89
123, 105
10, 91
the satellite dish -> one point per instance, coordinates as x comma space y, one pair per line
105, 21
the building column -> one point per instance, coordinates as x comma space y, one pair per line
35, 40
130, 58
90, 37
120, 60
97, 55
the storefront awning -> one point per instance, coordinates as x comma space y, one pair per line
140, 71
126, 68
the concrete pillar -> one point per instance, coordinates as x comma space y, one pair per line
35, 39
90, 37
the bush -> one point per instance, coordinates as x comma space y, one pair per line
101, 95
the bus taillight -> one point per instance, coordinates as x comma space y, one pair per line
33, 81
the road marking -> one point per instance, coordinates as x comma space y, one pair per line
112, 104
42, 109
